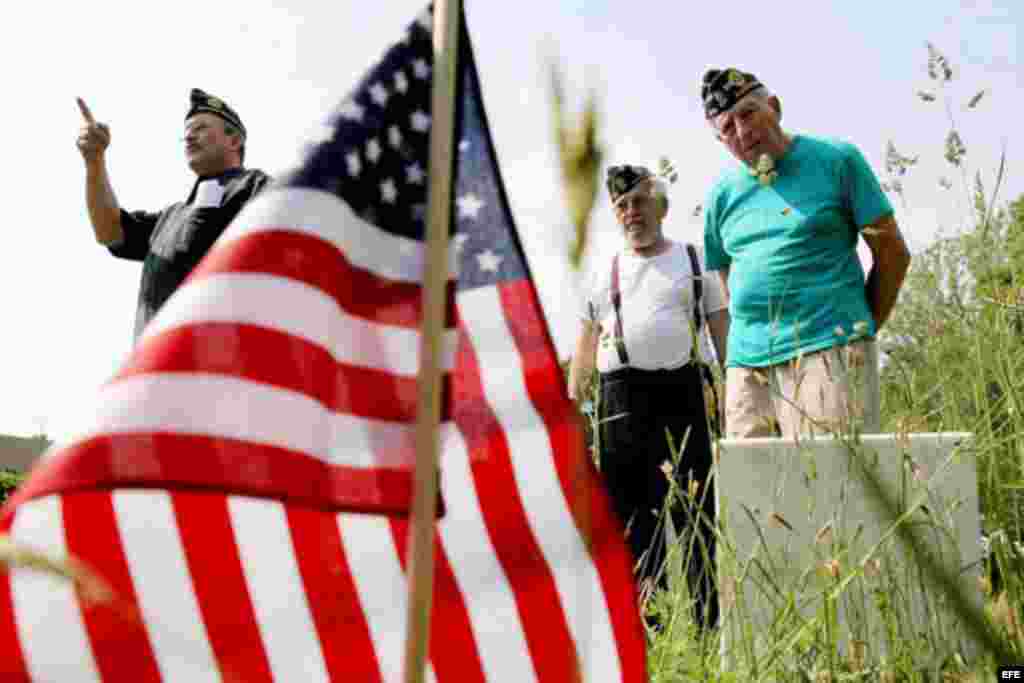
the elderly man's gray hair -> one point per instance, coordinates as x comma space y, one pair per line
760, 93
659, 190
765, 95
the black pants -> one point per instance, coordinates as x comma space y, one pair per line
637, 407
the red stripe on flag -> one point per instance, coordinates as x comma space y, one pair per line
598, 523
282, 360
547, 633
453, 650
163, 460
12, 660
218, 579
579, 480
317, 263
331, 593
116, 628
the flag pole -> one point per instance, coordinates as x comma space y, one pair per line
435, 283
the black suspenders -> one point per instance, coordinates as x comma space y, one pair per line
620, 342
698, 288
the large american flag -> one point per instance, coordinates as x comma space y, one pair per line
224, 512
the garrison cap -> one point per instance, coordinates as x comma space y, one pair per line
622, 179
721, 89
201, 101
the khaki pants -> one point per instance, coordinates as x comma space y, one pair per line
819, 393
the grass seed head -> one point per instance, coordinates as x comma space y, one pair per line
777, 521
857, 655
666, 467
831, 569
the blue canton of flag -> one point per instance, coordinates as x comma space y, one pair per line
381, 132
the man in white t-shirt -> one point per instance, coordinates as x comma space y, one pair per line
639, 325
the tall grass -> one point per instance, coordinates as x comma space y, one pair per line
881, 635
954, 355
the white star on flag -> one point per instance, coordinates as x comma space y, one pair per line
469, 205
464, 145
388, 191
401, 82
459, 242
351, 110
489, 261
394, 137
379, 94
372, 150
420, 68
414, 174
419, 121
353, 163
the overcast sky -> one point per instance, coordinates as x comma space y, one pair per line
847, 70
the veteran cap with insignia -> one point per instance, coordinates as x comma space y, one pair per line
201, 101
721, 89
622, 179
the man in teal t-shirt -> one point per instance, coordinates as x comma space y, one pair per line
782, 231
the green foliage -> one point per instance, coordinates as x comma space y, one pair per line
8, 482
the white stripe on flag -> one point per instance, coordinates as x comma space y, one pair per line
275, 586
299, 310
50, 626
363, 442
575, 575
381, 587
159, 571
485, 589
323, 215
214, 405
228, 407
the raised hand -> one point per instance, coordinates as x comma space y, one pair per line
94, 137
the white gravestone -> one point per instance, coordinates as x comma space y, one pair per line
798, 521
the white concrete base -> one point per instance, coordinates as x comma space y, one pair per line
776, 499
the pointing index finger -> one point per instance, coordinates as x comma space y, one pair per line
86, 113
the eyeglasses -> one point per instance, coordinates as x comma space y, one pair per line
740, 113
633, 199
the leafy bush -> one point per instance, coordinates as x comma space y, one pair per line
9, 480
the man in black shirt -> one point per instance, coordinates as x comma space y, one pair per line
171, 242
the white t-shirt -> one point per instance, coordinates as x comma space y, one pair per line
657, 309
